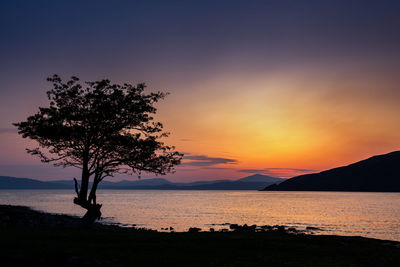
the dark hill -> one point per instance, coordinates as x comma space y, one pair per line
376, 174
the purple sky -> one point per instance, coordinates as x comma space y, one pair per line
274, 87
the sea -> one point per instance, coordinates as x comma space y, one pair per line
375, 215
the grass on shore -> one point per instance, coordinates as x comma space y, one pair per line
55, 246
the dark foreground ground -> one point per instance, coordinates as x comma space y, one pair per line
39, 244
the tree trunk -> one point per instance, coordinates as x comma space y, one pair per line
93, 212
84, 182
92, 195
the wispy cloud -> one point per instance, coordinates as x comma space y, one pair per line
204, 161
8, 130
279, 172
218, 168
185, 140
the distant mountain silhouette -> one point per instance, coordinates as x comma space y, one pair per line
376, 174
142, 182
7, 182
123, 183
228, 185
261, 179
254, 182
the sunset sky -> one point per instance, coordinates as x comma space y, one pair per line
272, 87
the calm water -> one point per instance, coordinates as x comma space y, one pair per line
363, 214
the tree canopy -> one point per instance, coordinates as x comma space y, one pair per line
101, 128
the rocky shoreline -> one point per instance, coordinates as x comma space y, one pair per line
24, 216
36, 238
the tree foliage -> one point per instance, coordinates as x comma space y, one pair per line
101, 128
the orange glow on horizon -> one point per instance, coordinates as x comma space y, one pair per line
284, 121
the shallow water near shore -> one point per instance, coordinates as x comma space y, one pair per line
374, 215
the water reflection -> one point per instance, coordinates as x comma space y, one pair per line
343, 213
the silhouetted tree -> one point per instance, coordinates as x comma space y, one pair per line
101, 128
